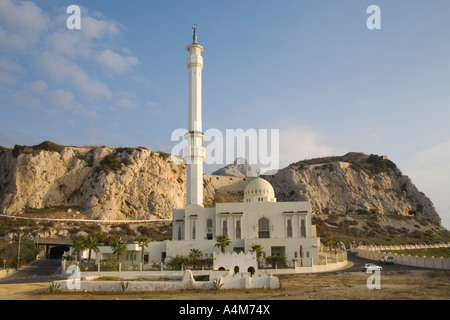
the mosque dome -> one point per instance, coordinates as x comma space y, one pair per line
259, 190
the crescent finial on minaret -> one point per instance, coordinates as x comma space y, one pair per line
195, 27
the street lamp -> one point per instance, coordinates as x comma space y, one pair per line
18, 253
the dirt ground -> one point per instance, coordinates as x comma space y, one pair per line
394, 285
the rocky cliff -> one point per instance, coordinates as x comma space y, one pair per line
354, 182
135, 183
239, 168
106, 183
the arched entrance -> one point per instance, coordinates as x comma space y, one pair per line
251, 270
57, 252
236, 270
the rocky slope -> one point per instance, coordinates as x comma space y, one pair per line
135, 183
107, 183
240, 168
354, 182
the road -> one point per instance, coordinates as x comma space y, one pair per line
358, 262
39, 271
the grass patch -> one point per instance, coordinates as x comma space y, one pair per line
107, 278
429, 252
15, 225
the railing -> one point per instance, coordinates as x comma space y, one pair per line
85, 220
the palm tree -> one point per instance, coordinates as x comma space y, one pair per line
92, 243
79, 244
143, 242
258, 249
222, 242
119, 247
194, 256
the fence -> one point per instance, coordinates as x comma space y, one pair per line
375, 252
405, 247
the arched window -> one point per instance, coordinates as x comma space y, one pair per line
225, 228
193, 230
209, 229
289, 228
263, 228
236, 270
238, 229
302, 228
179, 232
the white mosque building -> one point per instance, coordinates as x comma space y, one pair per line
280, 228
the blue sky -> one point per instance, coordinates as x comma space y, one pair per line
309, 68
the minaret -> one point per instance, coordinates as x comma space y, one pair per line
194, 153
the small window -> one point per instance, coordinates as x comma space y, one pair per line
225, 228
263, 228
194, 230
238, 229
289, 228
302, 228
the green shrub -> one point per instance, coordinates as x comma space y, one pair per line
8, 252
34, 150
279, 261
109, 163
12, 225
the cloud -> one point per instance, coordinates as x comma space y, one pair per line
9, 65
429, 169
97, 29
21, 25
10, 71
63, 70
115, 61
126, 104
23, 15
36, 94
84, 42
298, 144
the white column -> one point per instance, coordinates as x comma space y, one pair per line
194, 154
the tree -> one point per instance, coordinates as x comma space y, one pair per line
119, 248
92, 243
222, 242
143, 242
258, 249
330, 242
278, 261
195, 256
79, 244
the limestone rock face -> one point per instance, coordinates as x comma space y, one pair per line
239, 168
135, 183
108, 183
342, 185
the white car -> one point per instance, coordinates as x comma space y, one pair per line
370, 267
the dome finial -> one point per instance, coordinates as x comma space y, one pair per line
258, 171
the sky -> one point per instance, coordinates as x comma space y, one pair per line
311, 69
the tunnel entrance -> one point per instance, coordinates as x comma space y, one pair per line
57, 252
